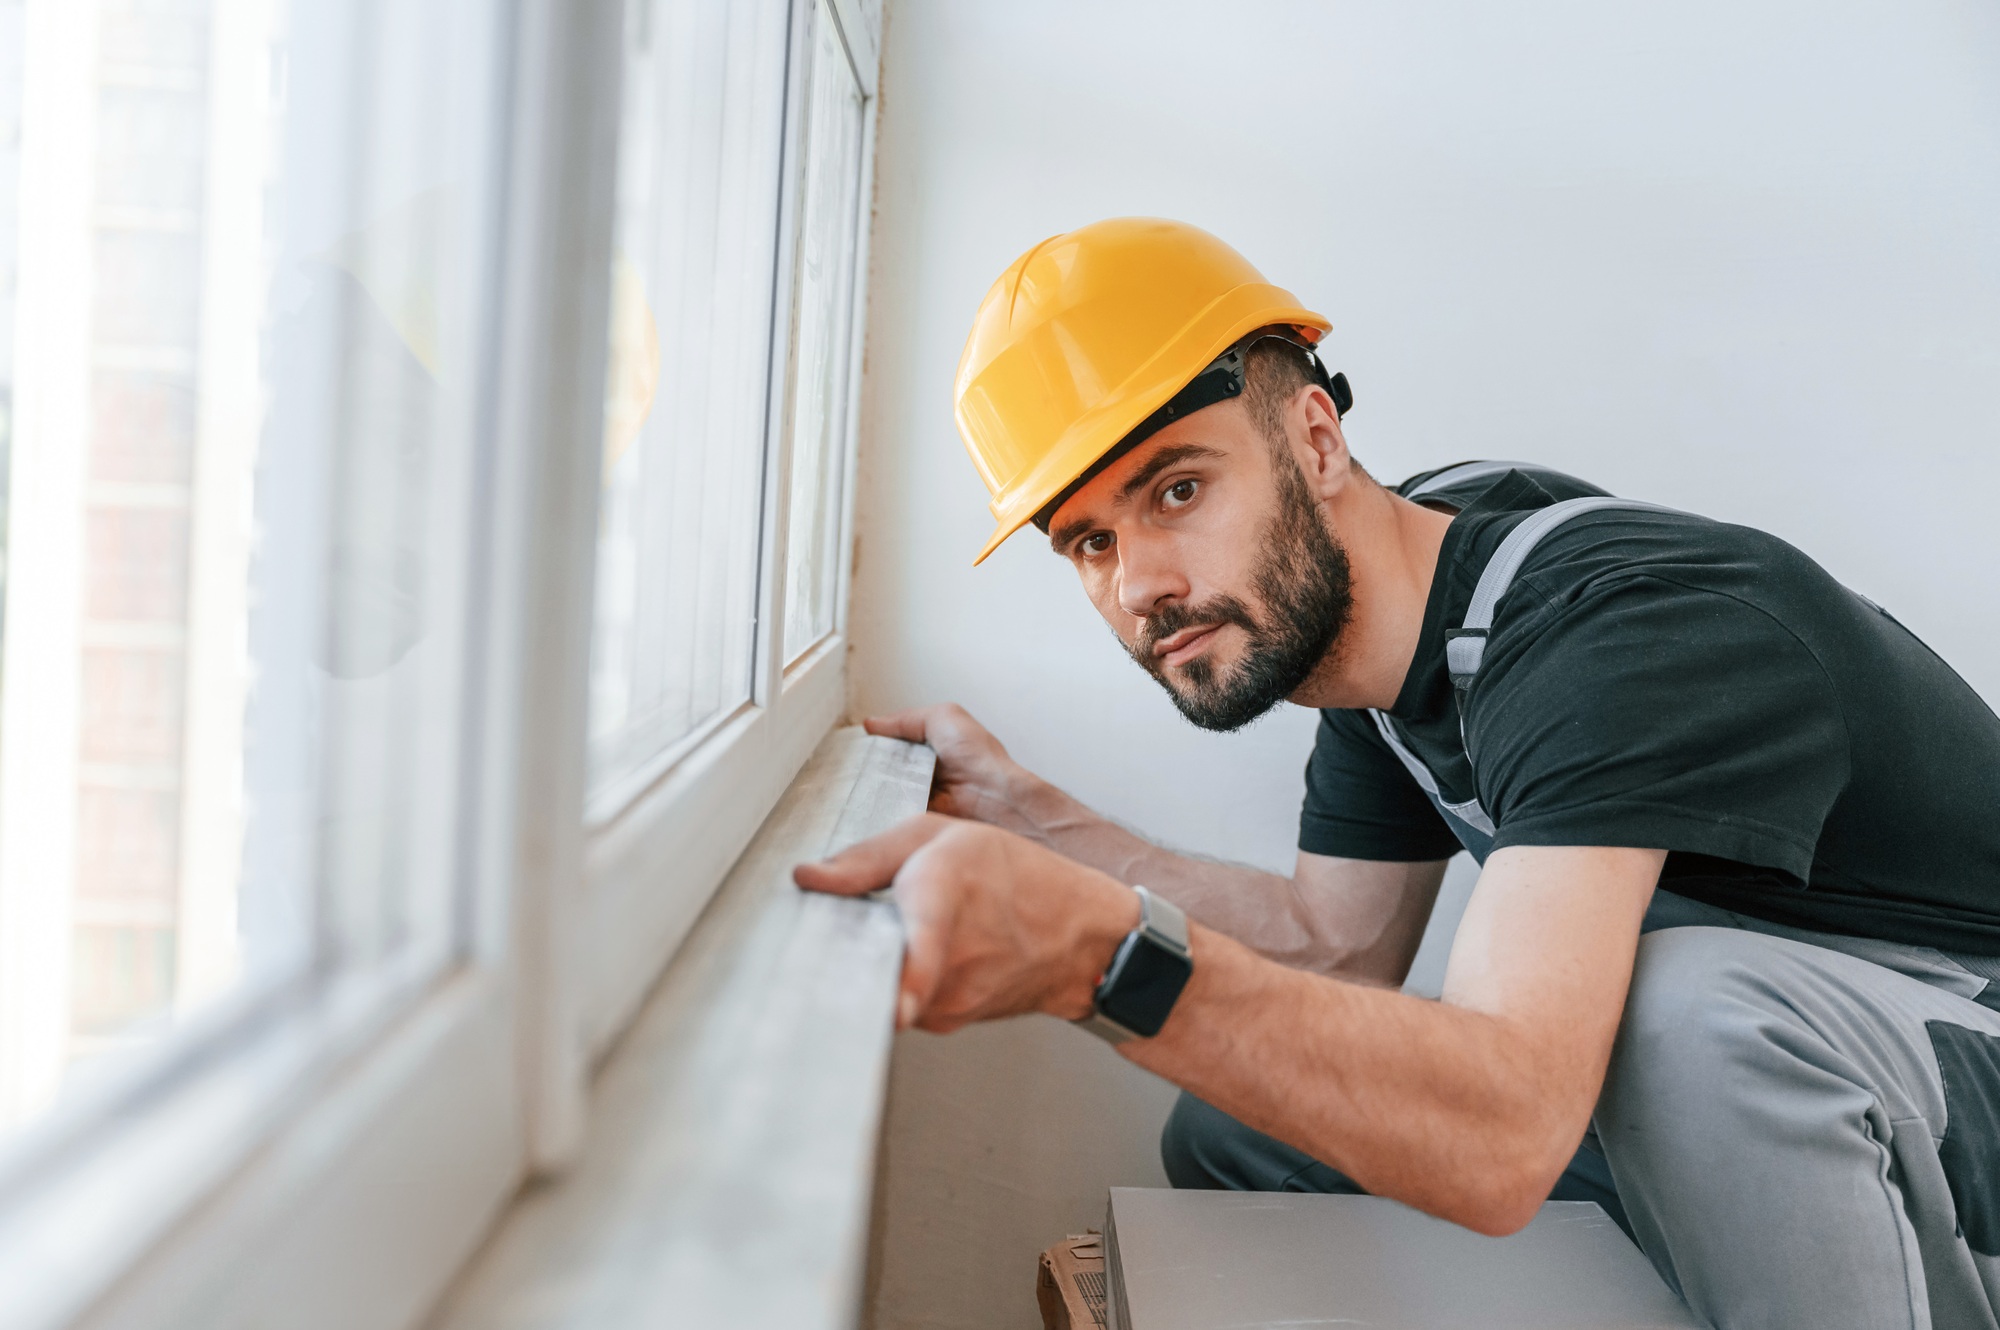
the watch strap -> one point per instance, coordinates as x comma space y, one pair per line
1161, 922
1110, 1031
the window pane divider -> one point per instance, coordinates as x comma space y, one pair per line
862, 42
770, 670
864, 204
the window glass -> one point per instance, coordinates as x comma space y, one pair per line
244, 246
687, 382
824, 323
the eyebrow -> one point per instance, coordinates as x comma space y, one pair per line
1064, 534
1144, 476
1159, 462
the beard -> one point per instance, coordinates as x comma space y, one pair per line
1305, 592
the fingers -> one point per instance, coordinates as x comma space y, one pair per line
908, 726
872, 863
945, 723
926, 934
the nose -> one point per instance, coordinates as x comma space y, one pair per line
1149, 577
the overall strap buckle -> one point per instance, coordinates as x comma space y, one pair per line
1464, 650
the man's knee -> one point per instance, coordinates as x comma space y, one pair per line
1710, 1044
1201, 1149
1700, 1000
1184, 1145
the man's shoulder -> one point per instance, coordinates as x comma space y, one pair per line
1494, 495
1681, 556
1622, 534
1462, 484
1665, 599
1612, 585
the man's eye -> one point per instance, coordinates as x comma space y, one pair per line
1180, 493
1095, 545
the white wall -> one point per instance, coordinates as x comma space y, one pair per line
1741, 257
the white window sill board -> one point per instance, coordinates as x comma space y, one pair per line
731, 1149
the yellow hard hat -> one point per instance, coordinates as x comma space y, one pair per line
1086, 337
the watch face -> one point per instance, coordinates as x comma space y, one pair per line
1144, 982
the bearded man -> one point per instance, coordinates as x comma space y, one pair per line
1730, 966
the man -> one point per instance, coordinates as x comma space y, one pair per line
1739, 830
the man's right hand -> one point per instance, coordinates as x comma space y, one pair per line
975, 779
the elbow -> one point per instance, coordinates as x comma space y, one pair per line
1509, 1193
1500, 1212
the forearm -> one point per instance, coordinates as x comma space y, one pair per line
1444, 1108
1224, 896
1359, 934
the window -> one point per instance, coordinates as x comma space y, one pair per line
290, 433
120, 708
728, 439
700, 237
253, 250
688, 379
238, 484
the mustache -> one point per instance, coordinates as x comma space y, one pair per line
1165, 623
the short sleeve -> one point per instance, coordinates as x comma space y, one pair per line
1659, 716
1362, 804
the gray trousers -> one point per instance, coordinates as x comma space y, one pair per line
1798, 1130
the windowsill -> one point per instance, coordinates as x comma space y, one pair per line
730, 1156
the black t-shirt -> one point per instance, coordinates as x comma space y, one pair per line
1665, 681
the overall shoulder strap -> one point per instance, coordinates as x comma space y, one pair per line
1468, 812
1465, 646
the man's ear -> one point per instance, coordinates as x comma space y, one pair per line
1317, 442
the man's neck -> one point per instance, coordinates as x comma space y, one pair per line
1392, 550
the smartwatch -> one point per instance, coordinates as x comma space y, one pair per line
1146, 975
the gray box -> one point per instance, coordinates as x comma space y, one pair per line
1203, 1260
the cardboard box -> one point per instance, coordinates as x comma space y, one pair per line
1070, 1284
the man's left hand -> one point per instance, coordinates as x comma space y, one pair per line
996, 924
